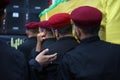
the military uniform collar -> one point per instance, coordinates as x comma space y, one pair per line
66, 38
90, 39
33, 37
48, 39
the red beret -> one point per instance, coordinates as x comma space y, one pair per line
45, 25
4, 3
59, 20
32, 25
86, 16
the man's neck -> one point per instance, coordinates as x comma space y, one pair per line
67, 35
86, 36
29, 36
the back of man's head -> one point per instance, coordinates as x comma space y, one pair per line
87, 18
61, 22
32, 28
44, 26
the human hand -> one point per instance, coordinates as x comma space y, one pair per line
43, 59
41, 36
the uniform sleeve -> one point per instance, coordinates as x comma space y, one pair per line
36, 70
33, 54
35, 65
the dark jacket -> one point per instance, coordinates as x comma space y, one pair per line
12, 64
93, 59
36, 69
27, 47
62, 46
45, 44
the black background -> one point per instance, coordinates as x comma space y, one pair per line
20, 12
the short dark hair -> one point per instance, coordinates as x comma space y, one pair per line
90, 30
33, 30
49, 32
65, 30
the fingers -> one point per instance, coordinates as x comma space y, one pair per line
44, 52
52, 57
41, 36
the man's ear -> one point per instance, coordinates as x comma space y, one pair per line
27, 33
78, 31
53, 31
56, 34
